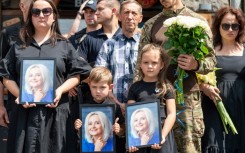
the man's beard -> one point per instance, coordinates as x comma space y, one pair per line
92, 22
170, 6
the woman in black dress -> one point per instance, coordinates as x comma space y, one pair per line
43, 128
228, 30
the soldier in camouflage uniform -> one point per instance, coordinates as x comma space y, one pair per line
189, 126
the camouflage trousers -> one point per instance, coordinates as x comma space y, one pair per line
189, 125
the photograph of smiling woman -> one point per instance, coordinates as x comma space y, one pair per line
149, 119
38, 85
102, 132
143, 128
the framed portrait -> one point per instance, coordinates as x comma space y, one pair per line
143, 124
96, 131
37, 80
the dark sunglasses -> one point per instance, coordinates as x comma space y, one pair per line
234, 27
46, 12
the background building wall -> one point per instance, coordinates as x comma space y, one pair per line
217, 4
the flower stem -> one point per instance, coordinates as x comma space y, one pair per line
179, 86
225, 117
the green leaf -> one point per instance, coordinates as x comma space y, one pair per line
176, 44
182, 40
191, 41
198, 55
182, 51
186, 34
174, 54
197, 31
167, 33
204, 49
168, 44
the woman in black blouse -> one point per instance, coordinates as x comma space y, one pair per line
40, 128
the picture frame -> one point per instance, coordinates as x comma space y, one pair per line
143, 120
37, 80
90, 115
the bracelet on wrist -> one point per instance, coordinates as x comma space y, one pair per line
81, 14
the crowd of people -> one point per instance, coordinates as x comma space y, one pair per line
112, 61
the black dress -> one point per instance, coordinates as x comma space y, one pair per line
40, 129
8, 37
231, 83
146, 91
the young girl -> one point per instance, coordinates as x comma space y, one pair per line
151, 84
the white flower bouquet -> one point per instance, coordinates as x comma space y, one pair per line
186, 35
210, 79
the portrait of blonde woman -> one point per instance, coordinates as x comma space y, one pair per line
98, 133
143, 128
38, 84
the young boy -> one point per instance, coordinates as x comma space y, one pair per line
100, 84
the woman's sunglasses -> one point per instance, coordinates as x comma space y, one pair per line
234, 27
46, 12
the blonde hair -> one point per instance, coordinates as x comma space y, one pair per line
100, 73
105, 123
47, 82
163, 84
150, 121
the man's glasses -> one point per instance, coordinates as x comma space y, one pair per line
234, 27
46, 12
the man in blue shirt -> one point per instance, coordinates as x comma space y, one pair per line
120, 53
107, 15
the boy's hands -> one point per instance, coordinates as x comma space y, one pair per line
116, 126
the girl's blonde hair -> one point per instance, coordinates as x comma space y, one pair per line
162, 84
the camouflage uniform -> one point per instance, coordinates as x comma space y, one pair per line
188, 138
